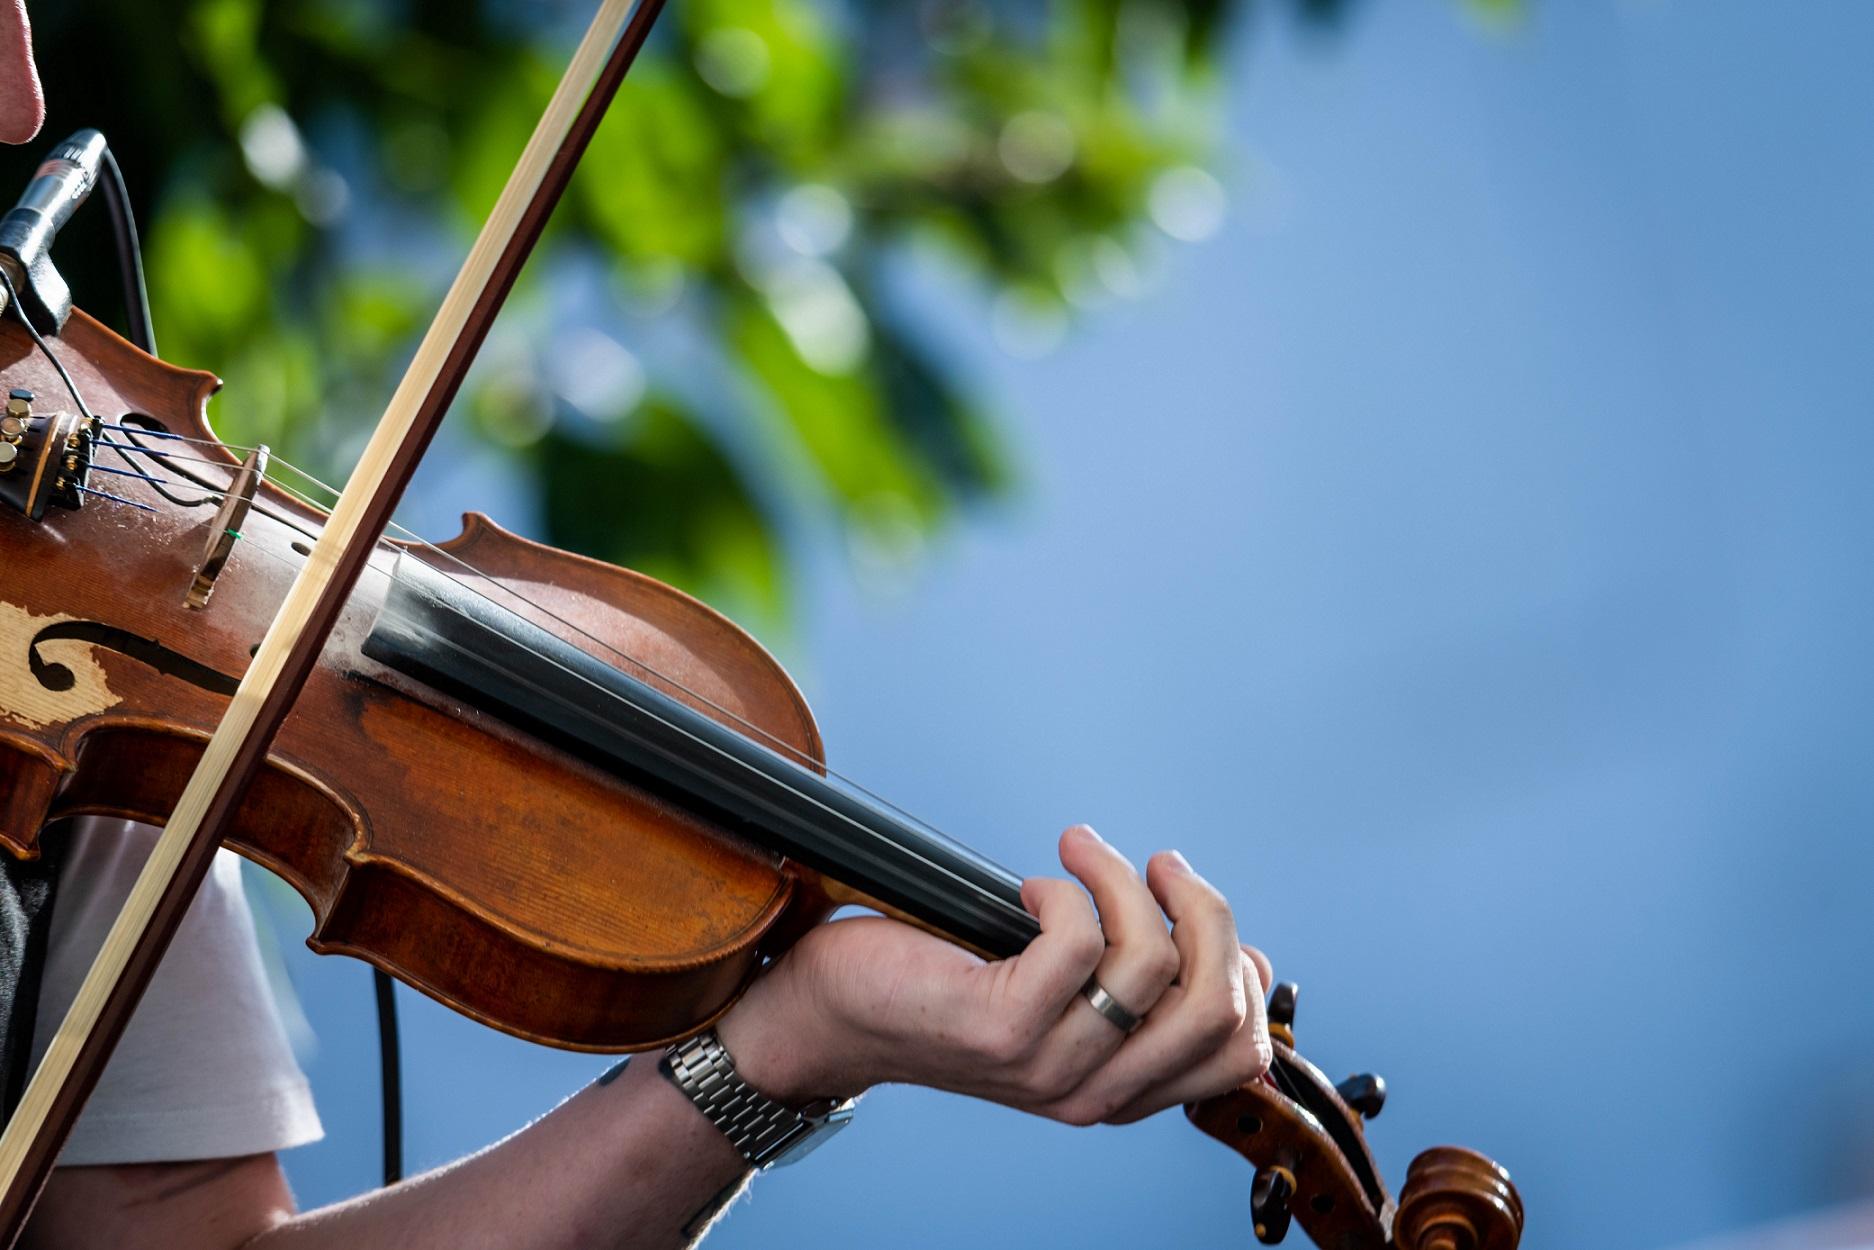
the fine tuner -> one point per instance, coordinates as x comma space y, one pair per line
45, 460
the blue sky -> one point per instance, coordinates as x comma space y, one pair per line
1462, 558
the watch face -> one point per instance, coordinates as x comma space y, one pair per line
815, 1137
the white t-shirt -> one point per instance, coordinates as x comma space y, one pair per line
204, 1070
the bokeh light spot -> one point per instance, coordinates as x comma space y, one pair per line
1187, 203
271, 145
819, 314
813, 219
1036, 147
597, 374
734, 60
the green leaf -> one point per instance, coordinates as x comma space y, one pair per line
655, 182
838, 419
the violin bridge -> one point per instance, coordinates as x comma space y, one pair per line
225, 530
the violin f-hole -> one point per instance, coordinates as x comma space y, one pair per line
56, 677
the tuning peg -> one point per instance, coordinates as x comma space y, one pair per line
1364, 1092
1268, 1203
1282, 1011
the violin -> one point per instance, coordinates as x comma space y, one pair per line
560, 797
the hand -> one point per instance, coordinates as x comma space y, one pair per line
866, 1000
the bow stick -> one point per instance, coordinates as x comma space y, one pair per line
169, 881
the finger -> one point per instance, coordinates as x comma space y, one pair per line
1140, 960
1243, 1059
1265, 971
1195, 1018
1139, 964
22, 102
1043, 979
1204, 931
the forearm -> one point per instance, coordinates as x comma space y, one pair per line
624, 1163
631, 1162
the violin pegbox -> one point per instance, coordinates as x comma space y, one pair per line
1307, 1139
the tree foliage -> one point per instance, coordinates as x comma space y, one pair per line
717, 340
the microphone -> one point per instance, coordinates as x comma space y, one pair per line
61, 183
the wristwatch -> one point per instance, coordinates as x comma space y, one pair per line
766, 1133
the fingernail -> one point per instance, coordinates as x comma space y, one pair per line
1178, 858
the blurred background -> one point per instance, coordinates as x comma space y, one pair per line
1409, 456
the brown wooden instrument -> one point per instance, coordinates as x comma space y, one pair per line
558, 796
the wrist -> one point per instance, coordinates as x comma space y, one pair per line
785, 1047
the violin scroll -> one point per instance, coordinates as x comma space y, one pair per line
1456, 1199
1307, 1140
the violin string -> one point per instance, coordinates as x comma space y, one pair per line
124, 454
132, 431
761, 734
211, 491
780, 746
104, 494
152, 432
746, 766
164, 455
773, 741
104, 468
417, 540
965, 884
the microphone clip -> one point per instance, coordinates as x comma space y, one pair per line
45, 299
62, 183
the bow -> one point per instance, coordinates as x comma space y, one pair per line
135, 945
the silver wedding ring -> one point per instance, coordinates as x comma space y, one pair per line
1109, 1006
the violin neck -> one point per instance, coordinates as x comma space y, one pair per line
437, 630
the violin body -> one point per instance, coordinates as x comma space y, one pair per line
502, 876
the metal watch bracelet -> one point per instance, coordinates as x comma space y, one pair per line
764, 1132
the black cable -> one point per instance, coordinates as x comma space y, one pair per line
13, 303
129, 255
391, 1076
